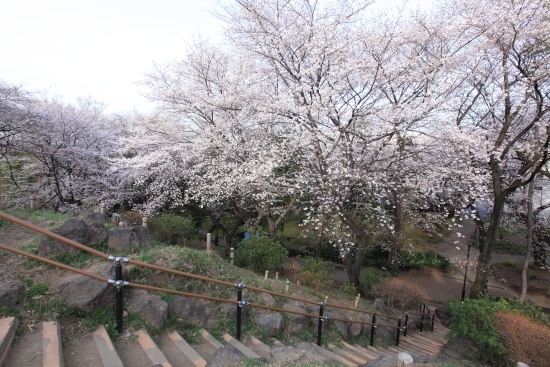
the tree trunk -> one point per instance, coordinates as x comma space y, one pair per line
525, 267
486, 245
353, 262
398, 228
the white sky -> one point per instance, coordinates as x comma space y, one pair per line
99, 48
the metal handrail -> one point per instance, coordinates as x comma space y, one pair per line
119, 284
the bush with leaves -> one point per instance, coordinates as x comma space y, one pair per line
399, 292
260, 254
369, 278
315, 273
172, 229
526, 341
473, 320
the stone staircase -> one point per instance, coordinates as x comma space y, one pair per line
43, 347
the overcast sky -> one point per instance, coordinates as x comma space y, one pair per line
98, 48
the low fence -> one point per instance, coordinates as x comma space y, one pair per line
119, 283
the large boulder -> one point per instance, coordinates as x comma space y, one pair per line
296, 319
149, 306
444, 315
226, 356
267, 299
96, 217
86, 293
193, 312
303, 353
271, 324
344, 328
11, 293
232, 312
124, 238
74, 229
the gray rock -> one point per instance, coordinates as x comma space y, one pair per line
123, 238
97, 234
267, 299
444, 315
10, 293
294, 318
86, 293
73, 229
272, 324
302, 353
344, 328
356, 329
225, 356
381, 362
190, 310
380, 306
149, 306
96, 217
233, 313
386, 333
426, 359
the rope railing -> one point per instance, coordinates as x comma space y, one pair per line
119, 284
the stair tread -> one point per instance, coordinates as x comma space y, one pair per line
210, 339
335, 357
187, 349
348, 355
249, 353
52, 350
354, 349
7, 332
152, 351
106, 349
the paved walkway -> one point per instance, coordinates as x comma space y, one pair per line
441, 287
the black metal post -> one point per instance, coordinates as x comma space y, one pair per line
373, 327
398, 332
119, 294
240, 305
406, 324
320, 326
466, 271
433, 321
422, 323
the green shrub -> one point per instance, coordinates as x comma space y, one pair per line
315, 273
260, 254
473, 320
172, 229
418, 260
368, 278
510, 262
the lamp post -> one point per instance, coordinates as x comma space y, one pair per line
466, 270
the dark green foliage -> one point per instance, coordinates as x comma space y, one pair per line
408, 260
473, 320
172, 229
418, 260
368, 278
260, 254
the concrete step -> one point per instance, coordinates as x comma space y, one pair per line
349, 355
210, 339
186, 349
369, 355
52, 350
333, 356
248, 353
107, 351
152, 351
259, 347
7, 331
277, 343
